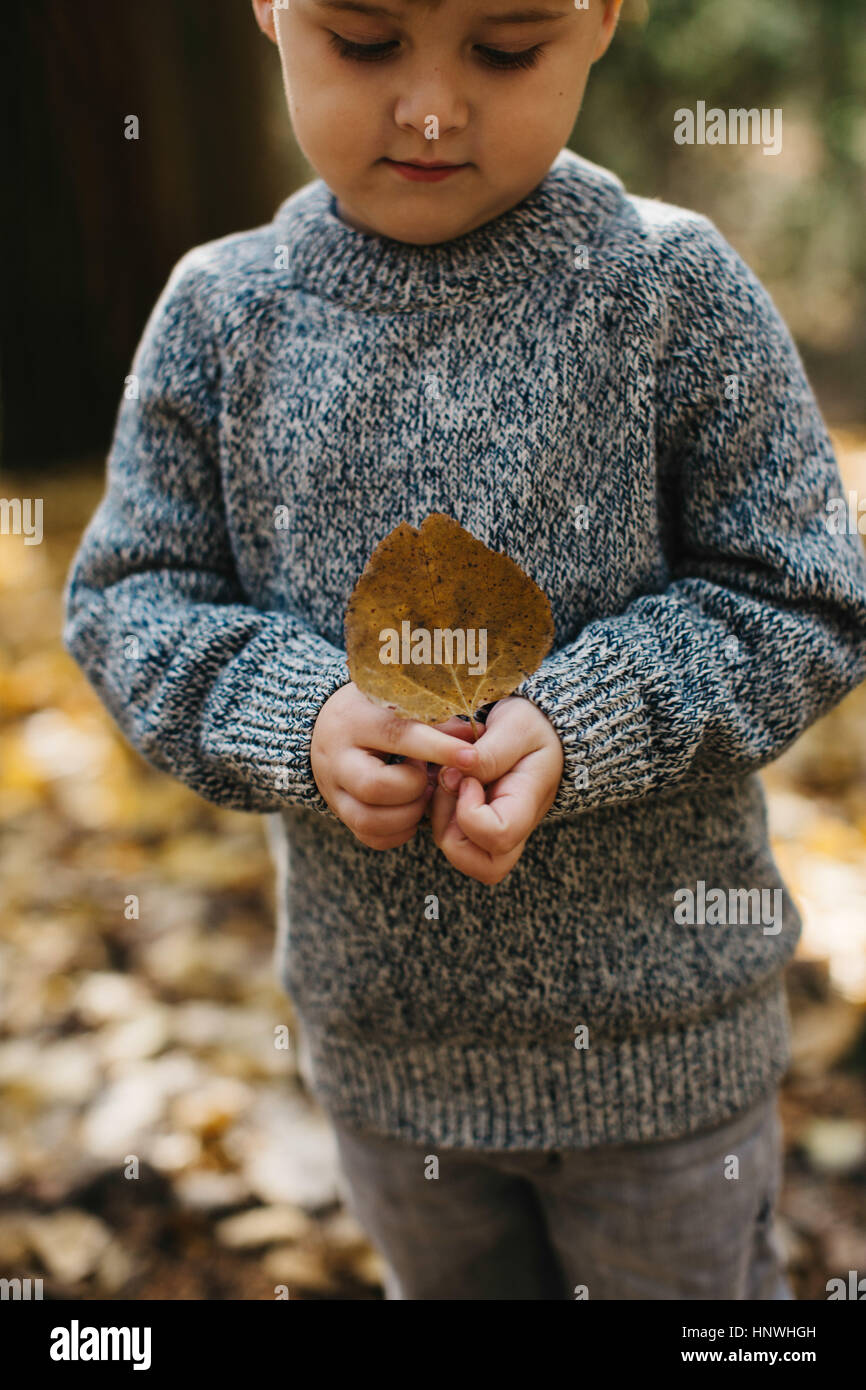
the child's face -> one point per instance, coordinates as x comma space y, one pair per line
429, 88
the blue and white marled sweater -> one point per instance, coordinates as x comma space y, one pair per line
597, 384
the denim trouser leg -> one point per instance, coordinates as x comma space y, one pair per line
688, 1218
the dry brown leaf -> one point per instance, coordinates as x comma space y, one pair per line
440, 579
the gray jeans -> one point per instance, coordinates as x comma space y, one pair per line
671, 1219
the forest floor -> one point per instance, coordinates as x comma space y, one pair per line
139, 1006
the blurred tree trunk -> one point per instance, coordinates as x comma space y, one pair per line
97, 220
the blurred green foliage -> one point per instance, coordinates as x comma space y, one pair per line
797, 218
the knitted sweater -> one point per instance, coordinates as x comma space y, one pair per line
595, 383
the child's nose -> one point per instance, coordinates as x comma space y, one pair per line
430, 88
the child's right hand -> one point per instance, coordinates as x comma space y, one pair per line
380, 803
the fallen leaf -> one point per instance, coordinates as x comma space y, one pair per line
835, 1145
261, 1226
434, 594
70, 1243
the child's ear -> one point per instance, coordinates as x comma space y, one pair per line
609, 21
264, 13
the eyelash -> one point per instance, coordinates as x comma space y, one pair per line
375, 52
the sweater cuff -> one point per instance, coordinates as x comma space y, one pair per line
596, 706
265, 736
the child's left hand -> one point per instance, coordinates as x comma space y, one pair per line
518, 761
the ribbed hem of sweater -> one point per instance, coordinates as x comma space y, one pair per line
632, 1090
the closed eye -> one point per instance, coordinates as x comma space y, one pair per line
376, 52
498, 58
363, 52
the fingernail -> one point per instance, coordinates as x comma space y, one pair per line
466, 756
451, 779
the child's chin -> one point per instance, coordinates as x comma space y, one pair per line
416, 226
417, 234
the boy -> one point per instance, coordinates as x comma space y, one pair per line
546, 1024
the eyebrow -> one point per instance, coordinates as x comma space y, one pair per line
533, 16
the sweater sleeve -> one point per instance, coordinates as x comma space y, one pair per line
762, 628
216, 692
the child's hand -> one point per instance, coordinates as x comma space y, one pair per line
380, 803
518, 760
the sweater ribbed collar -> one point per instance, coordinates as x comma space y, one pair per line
330, 258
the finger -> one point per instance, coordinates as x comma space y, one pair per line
457, 728
368, 780
462, 852
461, 722
445, 811
505, 742
502, 816
441, 811
388, 732
379, 821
